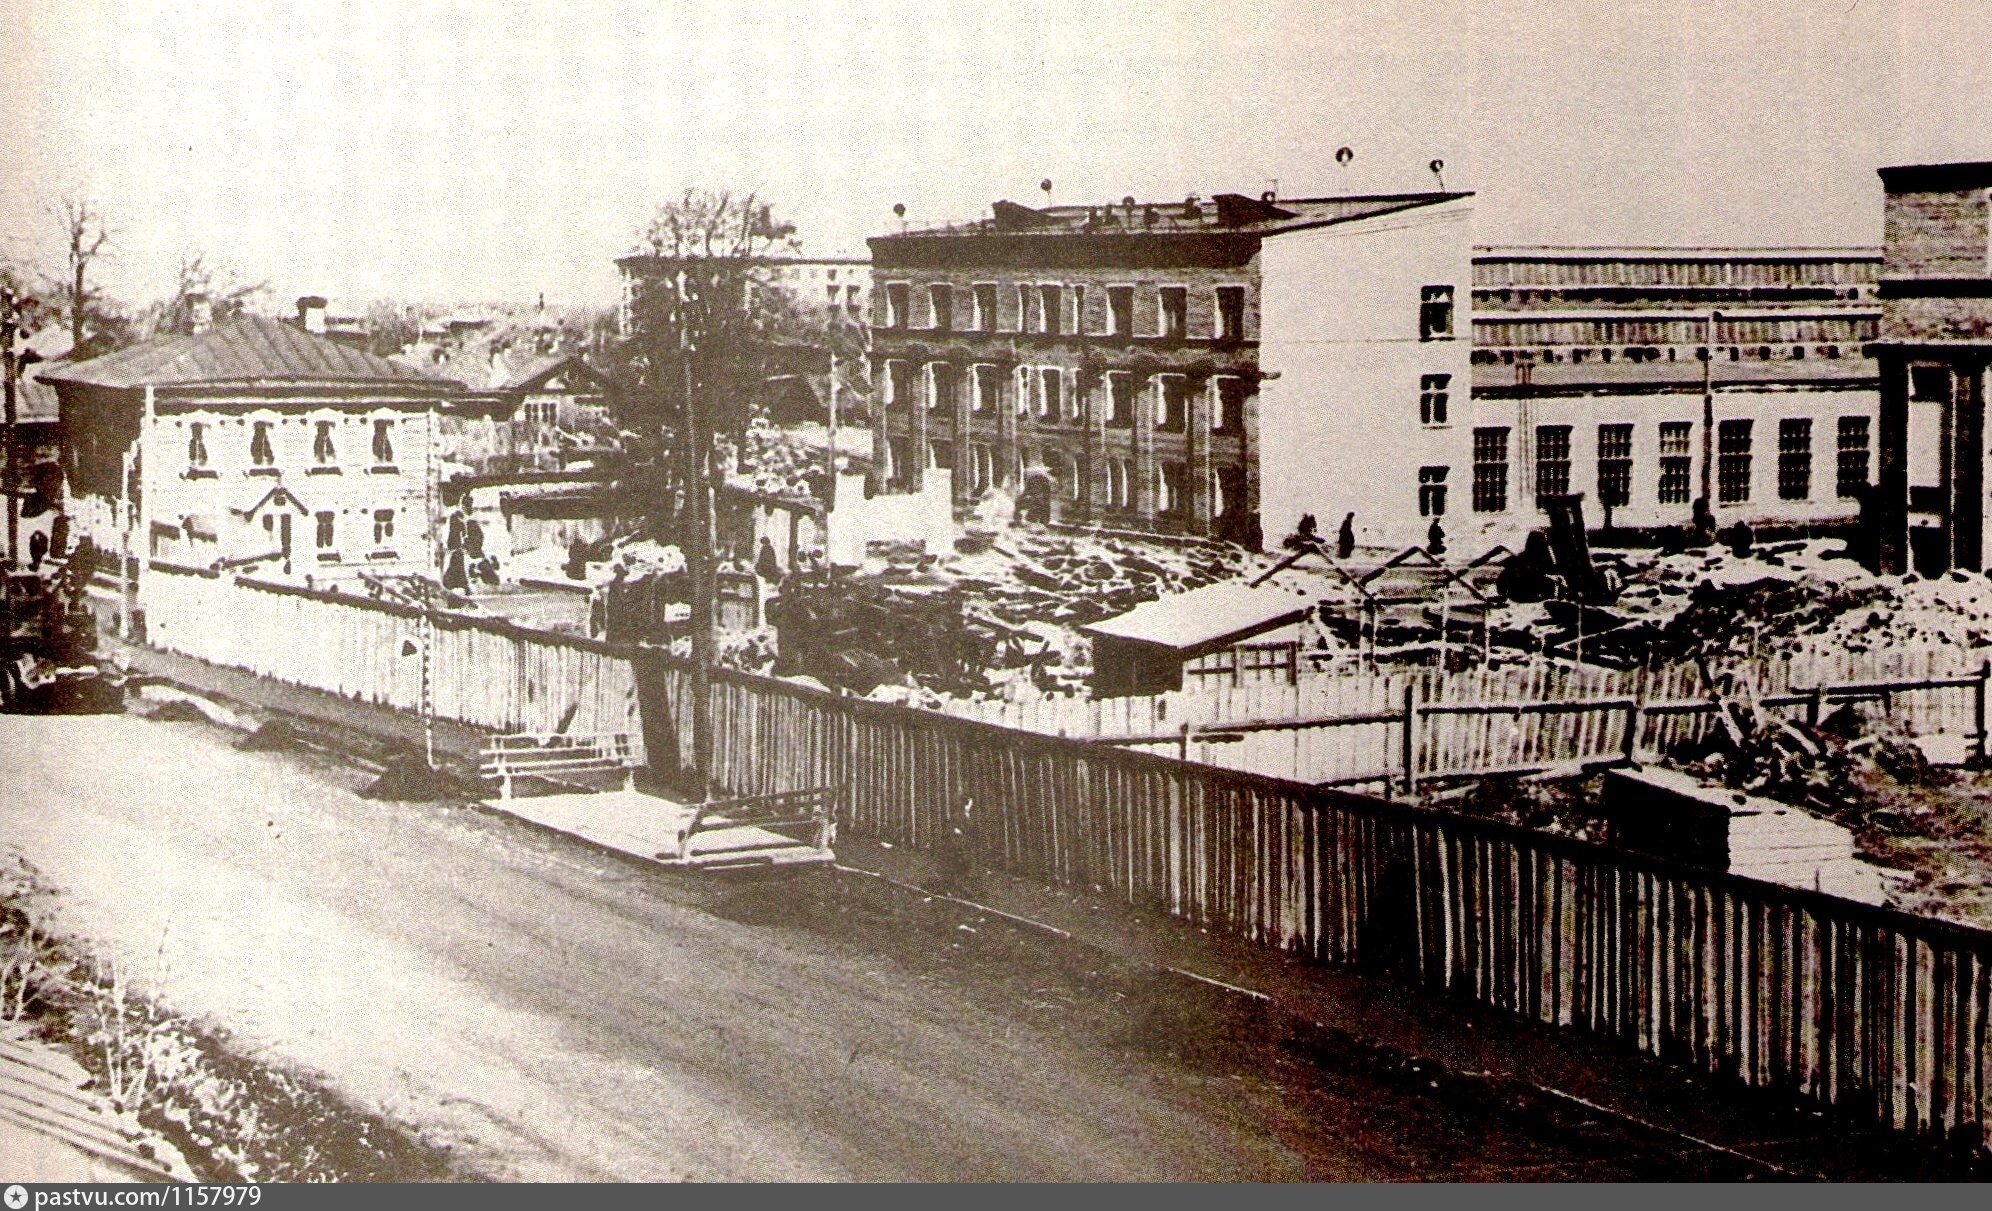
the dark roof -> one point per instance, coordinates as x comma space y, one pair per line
540, 369
1936, 178
36, 402
244, 351
1224, 213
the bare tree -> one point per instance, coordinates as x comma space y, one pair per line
705, 330
85, 235
227, 294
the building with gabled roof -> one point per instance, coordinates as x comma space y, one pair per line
252, 443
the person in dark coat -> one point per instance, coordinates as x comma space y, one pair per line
1435, 539
1345, 540
766, 565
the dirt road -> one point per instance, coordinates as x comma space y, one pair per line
545, 1011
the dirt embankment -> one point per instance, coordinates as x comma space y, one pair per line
231, 1118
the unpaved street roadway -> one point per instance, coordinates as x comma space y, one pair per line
548, 1012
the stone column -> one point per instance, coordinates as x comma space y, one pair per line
955, 399
1203, 409
1148, 408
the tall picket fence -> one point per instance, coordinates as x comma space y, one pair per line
1349, 729
1884, 1014
485, 672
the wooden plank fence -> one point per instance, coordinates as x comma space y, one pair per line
485, 672
1884, 1013
1854, 1006
1396, 728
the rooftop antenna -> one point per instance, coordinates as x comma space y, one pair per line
899, 212
1046, 186
1438, 168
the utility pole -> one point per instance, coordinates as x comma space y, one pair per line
9, 324
1708, 410
697, 534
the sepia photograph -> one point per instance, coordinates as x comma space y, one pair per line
949, 591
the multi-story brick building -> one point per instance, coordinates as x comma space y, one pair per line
1158, 366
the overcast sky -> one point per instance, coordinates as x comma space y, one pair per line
484, 151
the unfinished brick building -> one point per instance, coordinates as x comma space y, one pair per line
1104, 363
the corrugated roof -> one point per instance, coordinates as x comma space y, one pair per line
246, 350
1216, 613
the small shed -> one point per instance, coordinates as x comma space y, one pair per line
1143, 651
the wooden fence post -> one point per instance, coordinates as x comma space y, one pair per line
1979, 694
1183, 742
1410, 754
1635, 716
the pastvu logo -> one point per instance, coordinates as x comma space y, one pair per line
17, 1197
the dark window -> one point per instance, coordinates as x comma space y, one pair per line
1172, 493
940, 455
260, 451
1051, 392
1079, 310
897, 297
1853, 464
1614, 465
1230, 313
1433, 393
1051, 305
940, 384
1231, 395
1435, 313
985, 308
383, 526
1120, 311
1175, 401
1120, 476
1930, 384
1794, 458
1552, 460
1732, 461
325, 530
1120, 400
899, 383
1490, 470
1175, 311
986, 387
1432, 491
383, 443
197, 451
981, 467
1675, 461
321, 443
940, 302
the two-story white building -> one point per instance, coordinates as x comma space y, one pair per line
253, 444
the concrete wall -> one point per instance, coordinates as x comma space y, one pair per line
1339, 427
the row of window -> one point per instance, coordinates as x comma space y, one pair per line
327, 525
1733, 463
1044, 392
262, 449
1579, 354
1170, 481
1056, 309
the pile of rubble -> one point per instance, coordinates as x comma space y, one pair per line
771, 460
1028, 575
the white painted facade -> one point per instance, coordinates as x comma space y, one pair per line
1340, 429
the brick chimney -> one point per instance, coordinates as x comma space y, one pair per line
311, 313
